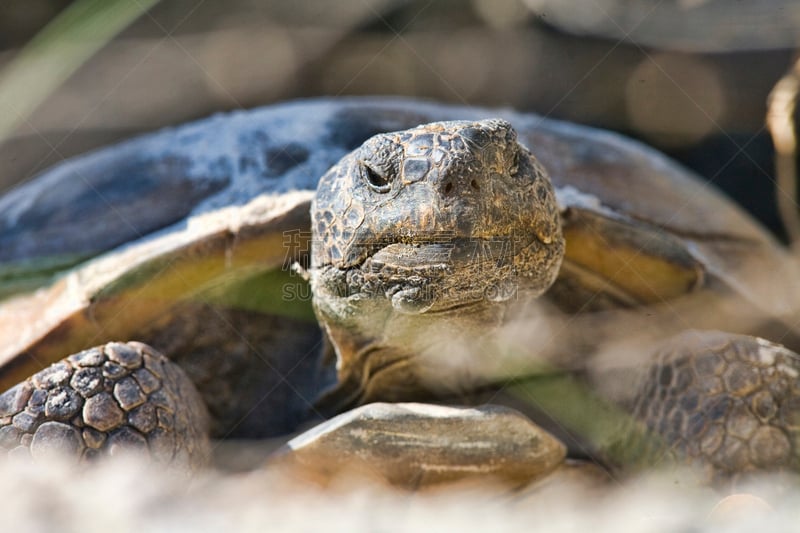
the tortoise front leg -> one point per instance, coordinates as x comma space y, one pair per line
727, 403
107, 399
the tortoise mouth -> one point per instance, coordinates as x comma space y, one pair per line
448, 254
447, 274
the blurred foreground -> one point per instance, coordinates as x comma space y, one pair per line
129, 496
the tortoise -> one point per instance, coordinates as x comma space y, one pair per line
444, 261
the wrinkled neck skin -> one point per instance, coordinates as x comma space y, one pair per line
390, 354
425, 242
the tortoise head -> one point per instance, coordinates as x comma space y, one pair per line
436, 217
421, 241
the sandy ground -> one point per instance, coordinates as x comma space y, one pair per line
128, 495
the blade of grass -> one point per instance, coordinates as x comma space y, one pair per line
604, 427
57, 51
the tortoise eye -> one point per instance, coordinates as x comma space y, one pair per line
377, 180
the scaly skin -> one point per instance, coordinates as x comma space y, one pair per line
727, 404
109, 399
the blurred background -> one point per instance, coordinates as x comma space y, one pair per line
690, 77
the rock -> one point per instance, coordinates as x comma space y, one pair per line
737, 507
413, 445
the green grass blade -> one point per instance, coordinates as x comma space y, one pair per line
59, 50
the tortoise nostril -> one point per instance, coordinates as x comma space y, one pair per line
474, 185
448, 188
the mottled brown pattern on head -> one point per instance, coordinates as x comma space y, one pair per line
420, 235
432, 184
